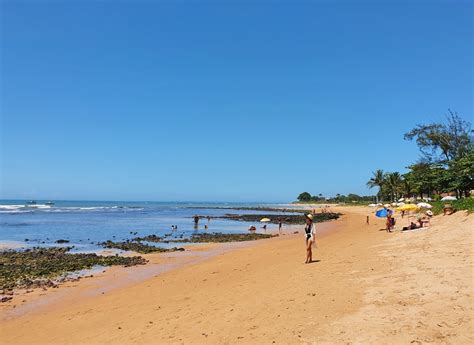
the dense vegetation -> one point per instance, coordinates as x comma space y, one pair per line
446, 165
306, 197
461, 204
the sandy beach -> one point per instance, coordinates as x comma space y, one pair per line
366, 286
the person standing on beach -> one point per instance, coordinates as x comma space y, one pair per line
310, 239
279, 224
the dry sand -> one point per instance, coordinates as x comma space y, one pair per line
367, 286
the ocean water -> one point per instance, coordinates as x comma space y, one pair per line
85, 223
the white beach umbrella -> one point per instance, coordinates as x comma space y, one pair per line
423, 205
400, 203
401, 199
394, 204
449, 198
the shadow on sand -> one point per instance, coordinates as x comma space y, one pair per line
315, 261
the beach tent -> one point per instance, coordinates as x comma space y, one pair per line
382, 213
449, 198
424, 205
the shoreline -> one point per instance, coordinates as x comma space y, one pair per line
110, 278
365, 286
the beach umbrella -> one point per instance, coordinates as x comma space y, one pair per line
382, 213
400, 203
407, 207
394, 204
265, 220
424, 205
449, 198
401, 199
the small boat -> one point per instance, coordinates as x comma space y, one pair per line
49, 203
31, 202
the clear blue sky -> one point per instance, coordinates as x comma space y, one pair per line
163, 101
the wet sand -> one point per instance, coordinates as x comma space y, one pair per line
366, 286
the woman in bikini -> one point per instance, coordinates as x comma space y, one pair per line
309, 233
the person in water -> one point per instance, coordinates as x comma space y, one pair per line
310, 239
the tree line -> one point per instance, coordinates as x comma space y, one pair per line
339, 198
446, 164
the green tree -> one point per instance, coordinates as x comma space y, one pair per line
393, 184
304, 197
461, 175
408, 188
443, 141
377, 180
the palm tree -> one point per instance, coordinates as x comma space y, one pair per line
408, 186
394, 184
377, 180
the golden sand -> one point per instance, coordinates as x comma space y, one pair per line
366, 286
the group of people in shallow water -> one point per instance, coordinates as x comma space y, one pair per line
196, 222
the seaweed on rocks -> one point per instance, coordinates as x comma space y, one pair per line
138, 247
148, 238
218, 237
38, 266
286, 218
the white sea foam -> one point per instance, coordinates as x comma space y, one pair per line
11, 207
38, 206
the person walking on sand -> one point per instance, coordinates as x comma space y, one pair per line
279, 225
310, 239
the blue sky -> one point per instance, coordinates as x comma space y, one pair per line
242, 102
